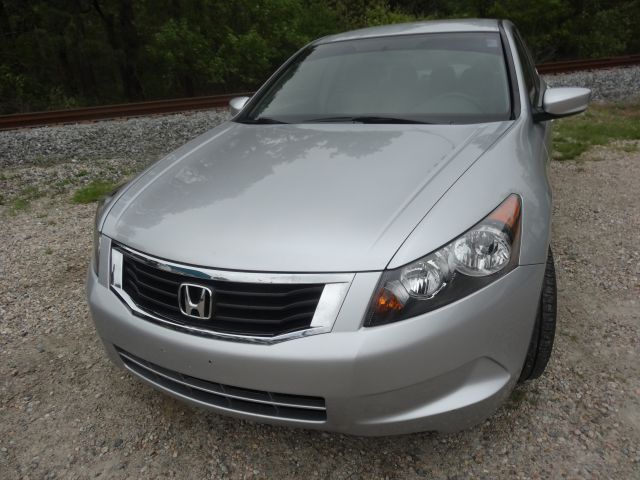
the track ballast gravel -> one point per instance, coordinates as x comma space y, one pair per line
609, 85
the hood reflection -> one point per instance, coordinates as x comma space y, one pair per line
262, 195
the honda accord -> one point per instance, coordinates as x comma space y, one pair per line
362, 248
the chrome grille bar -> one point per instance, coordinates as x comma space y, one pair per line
254, 402
333, 288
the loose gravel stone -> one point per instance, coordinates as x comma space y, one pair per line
609, 85
66, 412
134, 141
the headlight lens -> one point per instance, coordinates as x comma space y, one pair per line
476, 258
482, 251
96, 233
102, 204
96, 250
424, 278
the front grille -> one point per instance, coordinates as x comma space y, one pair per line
270, 404
256, 309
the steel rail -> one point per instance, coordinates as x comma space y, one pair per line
594, 64
126, 110
75, 115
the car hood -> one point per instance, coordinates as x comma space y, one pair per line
295, 198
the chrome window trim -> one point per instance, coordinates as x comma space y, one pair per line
331, 300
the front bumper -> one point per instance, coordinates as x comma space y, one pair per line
445, 370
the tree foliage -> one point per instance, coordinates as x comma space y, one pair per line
65, 53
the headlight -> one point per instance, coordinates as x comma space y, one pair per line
478, 257
102, 204
96, 249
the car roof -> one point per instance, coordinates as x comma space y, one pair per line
432, 26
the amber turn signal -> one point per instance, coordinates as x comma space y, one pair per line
508, 212
386, 301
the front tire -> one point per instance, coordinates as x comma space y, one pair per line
544, 329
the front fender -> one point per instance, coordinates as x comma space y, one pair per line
514, 164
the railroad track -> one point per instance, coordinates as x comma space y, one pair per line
125, 110
139, 109
596, 64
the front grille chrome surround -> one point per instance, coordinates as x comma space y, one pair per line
336, 286
299, 408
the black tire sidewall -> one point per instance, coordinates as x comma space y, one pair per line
543, 335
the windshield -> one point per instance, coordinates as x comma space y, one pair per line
432, 78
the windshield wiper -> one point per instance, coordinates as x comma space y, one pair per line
364, 119
374, 119
262, 121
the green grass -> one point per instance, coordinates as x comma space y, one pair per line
517, 398
600, 125
22, 201
522, 395
18, 205
96, 190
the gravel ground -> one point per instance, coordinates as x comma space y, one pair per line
612, 85
132, 141
66, 412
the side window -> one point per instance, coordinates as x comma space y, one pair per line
531, 78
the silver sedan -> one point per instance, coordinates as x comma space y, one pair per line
363, 248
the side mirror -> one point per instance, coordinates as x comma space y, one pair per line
562, 102
236, 104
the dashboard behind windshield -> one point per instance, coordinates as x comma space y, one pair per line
427, 78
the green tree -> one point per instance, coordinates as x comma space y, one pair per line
64, 53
